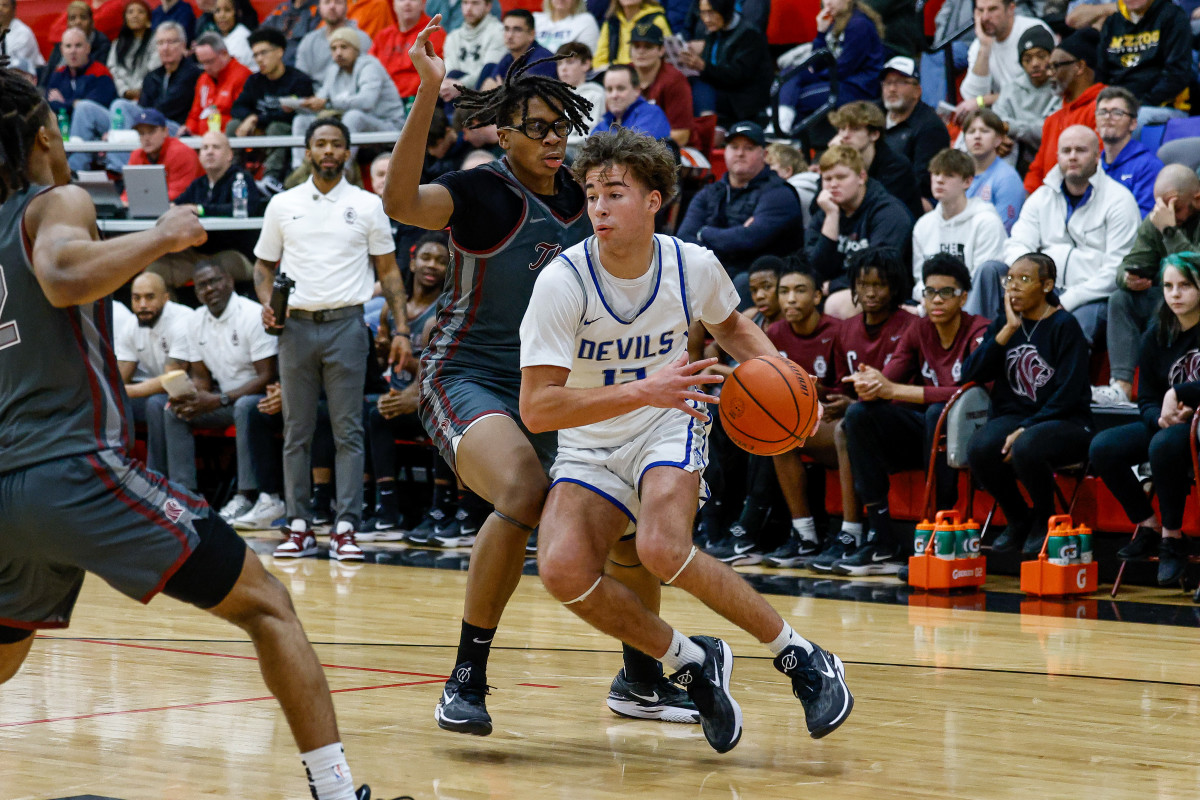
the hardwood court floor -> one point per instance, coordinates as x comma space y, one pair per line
165, 702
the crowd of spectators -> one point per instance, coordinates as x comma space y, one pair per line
905, 219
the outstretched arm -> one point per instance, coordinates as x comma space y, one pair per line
74, 267
404, 198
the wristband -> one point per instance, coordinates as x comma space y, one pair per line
979, 101
401, 333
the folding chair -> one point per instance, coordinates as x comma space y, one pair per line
1196, 491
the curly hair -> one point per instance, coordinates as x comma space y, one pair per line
650, 161
22, 113
887, 262
510, 100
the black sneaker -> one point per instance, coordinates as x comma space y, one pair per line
819, 681
1034, 541
462, 708
792, 553
708, 686
1172, 559
383, 527
840, 547
1011, 539
738, 549
872, 558
461, 532
661, 700
364, 793
428, 527
1142, 546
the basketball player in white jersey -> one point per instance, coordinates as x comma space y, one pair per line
604, 361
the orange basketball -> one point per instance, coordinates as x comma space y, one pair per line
769, 405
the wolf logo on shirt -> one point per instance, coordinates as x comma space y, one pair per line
1186, 368
1027, 371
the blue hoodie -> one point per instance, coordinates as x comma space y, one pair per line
641, 116
1135, 168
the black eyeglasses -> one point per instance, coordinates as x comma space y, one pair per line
1057, 65
539, 129
946, 292
1102, 113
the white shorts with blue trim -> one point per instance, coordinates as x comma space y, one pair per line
615, 473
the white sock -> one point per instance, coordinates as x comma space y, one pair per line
855, 530
786, 638
328, 774
683, 651
805, 528
299, 526
345, 526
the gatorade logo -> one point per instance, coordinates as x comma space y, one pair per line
967, 573
789, 662
973, 546
1081, 578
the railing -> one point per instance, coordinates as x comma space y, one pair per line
236, 142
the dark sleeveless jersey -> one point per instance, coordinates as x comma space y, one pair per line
478, 325
61, 393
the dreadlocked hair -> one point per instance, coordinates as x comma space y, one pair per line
22, 113
510, 100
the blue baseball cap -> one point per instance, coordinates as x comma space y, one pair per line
751, 130
149, 116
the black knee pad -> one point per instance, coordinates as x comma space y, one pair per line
210, 572
13, 635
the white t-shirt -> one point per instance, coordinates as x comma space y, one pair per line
150, 348
608, 330
1004, 64
22, 43
323, 243
576, 28
229, 345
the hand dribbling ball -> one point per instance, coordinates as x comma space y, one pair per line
769, 405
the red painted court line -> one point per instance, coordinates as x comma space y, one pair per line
248, 658
202, 705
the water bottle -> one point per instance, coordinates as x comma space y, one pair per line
281, 288
64, 124
118, 119
240, 210
214, 120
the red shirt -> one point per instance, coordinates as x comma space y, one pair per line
873, 348
814, 352
391, 47
181, 161
671, 92
920, 359
221, 93
372, 16
1080, 112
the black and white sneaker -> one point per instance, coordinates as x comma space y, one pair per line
462, 708
737, 551
792, 553
660, 700
841, 546
383, 527
819, 682
434, 519
708, 686
871, 559
461, 531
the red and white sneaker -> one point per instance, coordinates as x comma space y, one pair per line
300, 542
343, 547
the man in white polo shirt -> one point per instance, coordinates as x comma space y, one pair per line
326, 235
231, 361
157, 342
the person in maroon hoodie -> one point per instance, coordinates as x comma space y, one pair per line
892, 428
879, 283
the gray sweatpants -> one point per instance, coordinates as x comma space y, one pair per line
171, 450
330, 356
1129, 315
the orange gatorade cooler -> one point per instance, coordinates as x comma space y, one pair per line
1055, 573
939, 566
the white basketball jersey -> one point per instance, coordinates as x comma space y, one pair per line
573, 321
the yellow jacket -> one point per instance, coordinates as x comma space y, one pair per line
603, 56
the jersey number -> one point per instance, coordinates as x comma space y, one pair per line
9, 335
610, 375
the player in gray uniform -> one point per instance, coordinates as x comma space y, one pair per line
71, 499
507, 220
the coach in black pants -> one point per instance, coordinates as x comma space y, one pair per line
326, 235
1041, 415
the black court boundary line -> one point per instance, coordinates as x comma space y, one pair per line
894, 664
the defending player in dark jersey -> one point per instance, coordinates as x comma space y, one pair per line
808, 337
892, 428
72, 500
507, 220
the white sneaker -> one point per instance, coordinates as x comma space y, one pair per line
1111, 396
266, 510
237, 506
